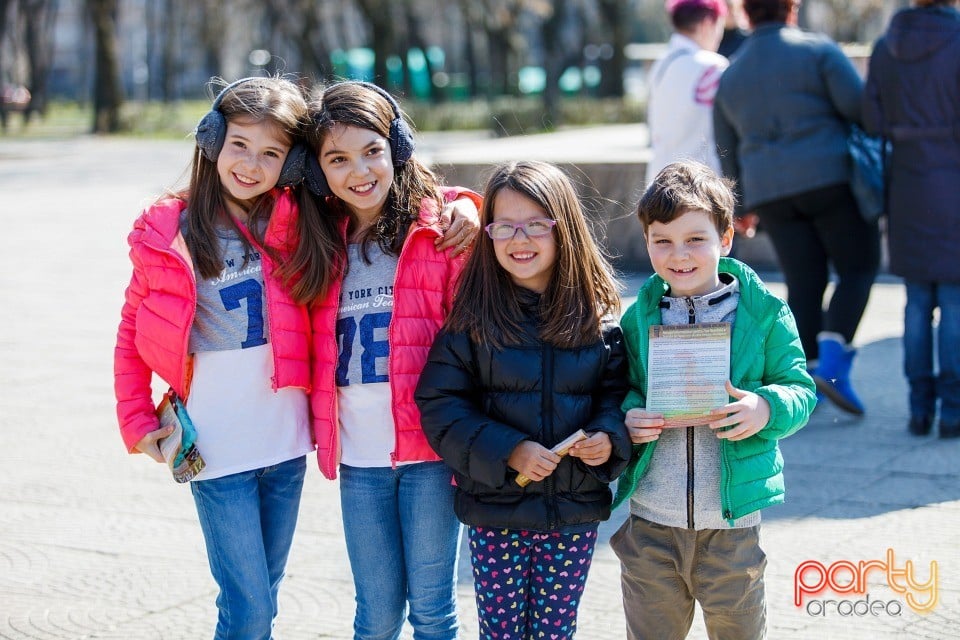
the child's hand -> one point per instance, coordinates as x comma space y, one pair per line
595, 450
464, 222
148, 443
750, 413
533, 460
643, 425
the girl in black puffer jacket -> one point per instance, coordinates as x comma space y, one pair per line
529, 356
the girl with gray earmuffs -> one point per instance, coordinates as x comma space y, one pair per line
372, 328
209, 312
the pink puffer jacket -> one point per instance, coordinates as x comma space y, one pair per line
159, 308
423, 292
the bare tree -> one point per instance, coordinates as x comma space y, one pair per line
107, 92
4, 12
472, 19
415, 38
212, 35
169, 65
553, 15
300, 23
382, 21
37, 20
615, 17
500, 22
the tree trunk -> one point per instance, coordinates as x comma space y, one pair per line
499, 21
379, 16
553, 61
168, 65
4, 6
299, 23
38, 18
415, 39
107, 93
212, 34
470, 24
617, 24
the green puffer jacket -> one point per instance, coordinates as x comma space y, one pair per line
766, 358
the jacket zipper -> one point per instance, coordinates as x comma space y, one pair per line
691, 319
725, 490
266, 271
334, 405
395, 455
549, 485
185, 357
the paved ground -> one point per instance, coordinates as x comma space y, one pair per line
98, 544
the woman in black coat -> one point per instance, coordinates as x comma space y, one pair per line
912, 98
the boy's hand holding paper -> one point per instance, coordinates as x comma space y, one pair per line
643, 426
746, 415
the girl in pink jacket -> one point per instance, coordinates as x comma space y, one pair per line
372, 331
209, 312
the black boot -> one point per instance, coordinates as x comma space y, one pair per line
920, 425
948, 431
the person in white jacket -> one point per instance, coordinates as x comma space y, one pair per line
682, 84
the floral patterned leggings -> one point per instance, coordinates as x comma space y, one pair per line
528, 584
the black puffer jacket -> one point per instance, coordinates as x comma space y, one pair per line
478, 404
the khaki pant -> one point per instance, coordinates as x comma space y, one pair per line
663, 570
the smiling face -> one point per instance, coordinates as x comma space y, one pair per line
250, 162
529, 261
357, 165
686, 251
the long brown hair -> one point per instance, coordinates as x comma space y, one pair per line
272, 100
318, 250
582, 290
355, 104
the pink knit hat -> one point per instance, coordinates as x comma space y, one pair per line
717, 6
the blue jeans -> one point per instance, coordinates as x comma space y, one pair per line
402, 539
248, 521
926, 385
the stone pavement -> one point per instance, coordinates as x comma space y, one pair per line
98, 544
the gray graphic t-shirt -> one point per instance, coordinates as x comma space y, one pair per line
242, 422
363, 389
231, 308
366, 306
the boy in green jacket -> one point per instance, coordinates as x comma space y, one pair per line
696, 492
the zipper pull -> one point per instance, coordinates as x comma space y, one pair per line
691, 311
